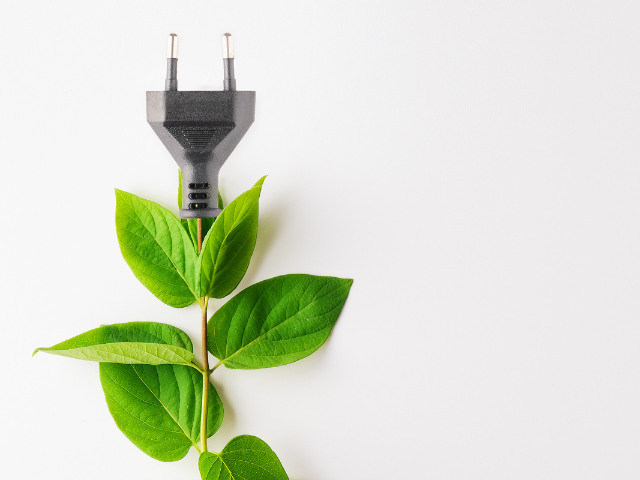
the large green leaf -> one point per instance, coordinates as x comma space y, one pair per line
277, 321
227, 249
191, 224
158, 407
243, 458
157, 249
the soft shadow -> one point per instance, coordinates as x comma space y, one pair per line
309, 365
229, 420
268, 231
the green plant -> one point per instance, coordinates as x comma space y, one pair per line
159, 397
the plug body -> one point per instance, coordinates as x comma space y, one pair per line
200, 130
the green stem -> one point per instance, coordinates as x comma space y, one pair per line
216, 366
205, 376
195, 366
205, 358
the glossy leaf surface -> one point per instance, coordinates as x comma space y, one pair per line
157, 249
126, 353
227, 248
243, 458
109, 343
277, 321
158, 407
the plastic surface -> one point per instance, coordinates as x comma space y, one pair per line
200, 130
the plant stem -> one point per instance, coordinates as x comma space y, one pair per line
205, 376
205, 358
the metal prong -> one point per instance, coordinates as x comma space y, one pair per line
227, 59
172, 46
227, 46
171, 83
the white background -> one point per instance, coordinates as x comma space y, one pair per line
472, 165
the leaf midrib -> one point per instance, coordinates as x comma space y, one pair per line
244, 461
274, 328
141, 400
130, 246
166, 409
235, 223
225, 465
129, 357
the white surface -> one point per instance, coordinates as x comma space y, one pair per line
472, 165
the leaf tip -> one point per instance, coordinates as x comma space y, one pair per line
120, 194
260, 182
35, 351
123, 194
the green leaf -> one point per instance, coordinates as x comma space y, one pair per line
157, 249
227, 249
158, 407
108, 344
277, 321
126, 352
243, 458
191, 224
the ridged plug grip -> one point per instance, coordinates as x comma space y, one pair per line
200, 130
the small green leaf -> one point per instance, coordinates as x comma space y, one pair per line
243, 458
158, 407
191, 224
126, 352
276, 321
227, 249
157, 249
108, 344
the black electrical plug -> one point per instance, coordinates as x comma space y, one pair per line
200, 129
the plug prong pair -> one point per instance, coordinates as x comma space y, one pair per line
171, 83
